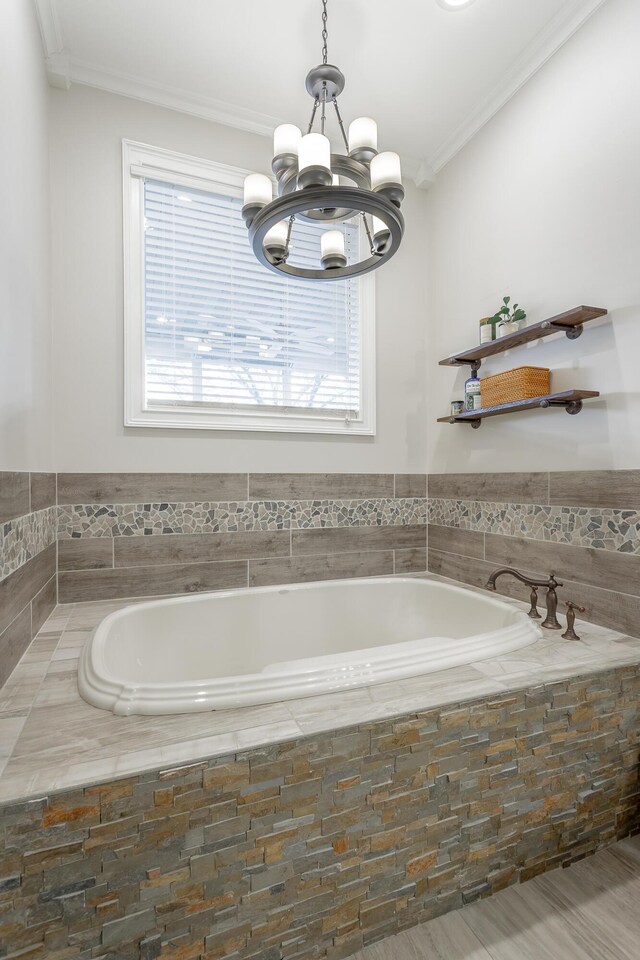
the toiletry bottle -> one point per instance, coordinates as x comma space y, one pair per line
486, 330
472, 393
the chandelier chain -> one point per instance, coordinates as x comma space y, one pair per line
324, 31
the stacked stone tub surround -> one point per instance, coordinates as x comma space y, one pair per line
305, 829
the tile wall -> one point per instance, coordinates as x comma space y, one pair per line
583, 526
133, 535
27, 561
130, 535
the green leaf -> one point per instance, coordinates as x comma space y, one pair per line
504, 310
507, 299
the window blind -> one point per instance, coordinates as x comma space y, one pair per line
221, 330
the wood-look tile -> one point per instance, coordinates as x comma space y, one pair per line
333, 567
324, 540
628, 852
42, 604
411, 484
468, 543
150, 487
605, 607
491, 487
43, 490
198, 547
14, 640
14, 495
151, 581
85, 553
472, 571
319, 486
413, 560
608, 569
596, 488
583, 897
509, 928
445, 938
20, 587
588, 910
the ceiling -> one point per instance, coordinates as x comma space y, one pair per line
429, 76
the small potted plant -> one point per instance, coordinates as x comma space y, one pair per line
508, 319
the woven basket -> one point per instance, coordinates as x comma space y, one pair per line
521, 383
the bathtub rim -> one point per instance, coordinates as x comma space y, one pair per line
290, 680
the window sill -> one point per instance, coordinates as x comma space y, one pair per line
193, 419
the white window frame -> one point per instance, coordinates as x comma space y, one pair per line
139, 161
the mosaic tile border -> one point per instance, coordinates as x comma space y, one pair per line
153, 519
25, 537
599, 528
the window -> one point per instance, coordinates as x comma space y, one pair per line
213, 339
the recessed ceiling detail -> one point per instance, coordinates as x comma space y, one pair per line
432, 82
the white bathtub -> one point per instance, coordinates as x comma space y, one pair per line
261, 645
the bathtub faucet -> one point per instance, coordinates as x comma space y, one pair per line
551, 620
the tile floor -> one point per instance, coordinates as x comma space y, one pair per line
590, 911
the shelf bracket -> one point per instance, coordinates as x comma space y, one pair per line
474, 424
573, 407
571, 331
474, 364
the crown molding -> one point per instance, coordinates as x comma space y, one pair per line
164, 95
559, 29
49, 23
63, 70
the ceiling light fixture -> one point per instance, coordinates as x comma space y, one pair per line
311, 186
455, 4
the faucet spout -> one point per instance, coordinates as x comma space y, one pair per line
551, 620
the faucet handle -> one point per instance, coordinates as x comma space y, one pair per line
570, 633
533, 612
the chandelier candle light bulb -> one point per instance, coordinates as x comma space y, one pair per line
363, 139
314, 161
386, 176
286, 140
275, 242
381, 235
257, 194
332, 253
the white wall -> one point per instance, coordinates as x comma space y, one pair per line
25, 325
87, 127
544, 205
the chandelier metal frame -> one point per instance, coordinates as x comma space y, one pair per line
314, 193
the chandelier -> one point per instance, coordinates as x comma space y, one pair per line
314, 184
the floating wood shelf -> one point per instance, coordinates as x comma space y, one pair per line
570, 322
571, 400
